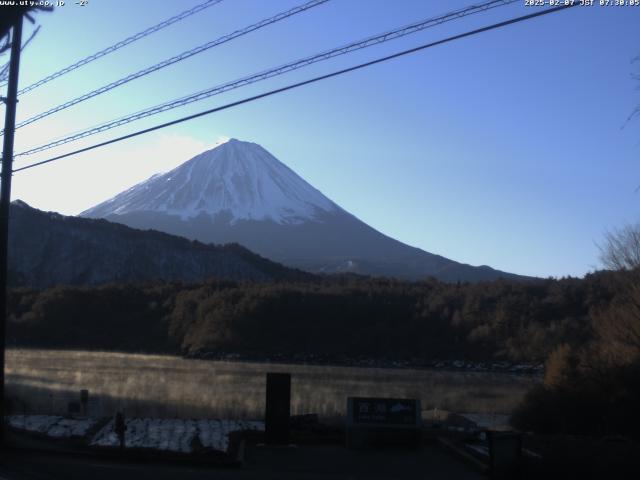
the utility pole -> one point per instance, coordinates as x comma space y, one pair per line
5, 200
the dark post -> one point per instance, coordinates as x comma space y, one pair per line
5, 197
120, 427
84, 401
278, 408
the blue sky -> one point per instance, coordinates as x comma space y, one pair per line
505, 149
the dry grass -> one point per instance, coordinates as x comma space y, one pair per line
44, 381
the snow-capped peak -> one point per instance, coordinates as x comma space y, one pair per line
240, 178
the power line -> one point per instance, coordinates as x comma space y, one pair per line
297, 64
300, 84
175, 59
116, 46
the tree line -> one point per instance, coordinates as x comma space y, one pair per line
334, 316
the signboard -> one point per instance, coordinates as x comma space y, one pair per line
384, 411
373, 422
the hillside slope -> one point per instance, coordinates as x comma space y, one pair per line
47, 249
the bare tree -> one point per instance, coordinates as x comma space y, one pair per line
621, 248
636, 77
617, 327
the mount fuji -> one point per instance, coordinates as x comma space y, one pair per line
239, 192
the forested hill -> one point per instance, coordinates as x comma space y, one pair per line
47, 249
333, 318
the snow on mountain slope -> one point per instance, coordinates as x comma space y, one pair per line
240, 193
240, 178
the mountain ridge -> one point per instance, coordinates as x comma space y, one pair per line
47, 249
239, 192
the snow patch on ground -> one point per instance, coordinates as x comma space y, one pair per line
164, 434
53, 426
174, 435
